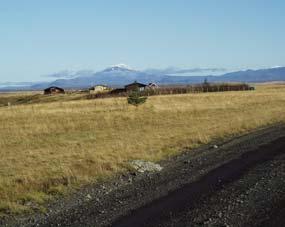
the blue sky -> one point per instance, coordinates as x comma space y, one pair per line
40, 37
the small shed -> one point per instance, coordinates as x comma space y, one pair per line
54, 90
135, 87
98, 88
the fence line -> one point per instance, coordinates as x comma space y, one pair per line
179, 90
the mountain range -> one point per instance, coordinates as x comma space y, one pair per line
119, 75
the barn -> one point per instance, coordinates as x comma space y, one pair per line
135, 87
54, 90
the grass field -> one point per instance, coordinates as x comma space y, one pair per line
36, 97
51, 147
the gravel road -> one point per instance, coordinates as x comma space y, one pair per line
236, 182
242, 192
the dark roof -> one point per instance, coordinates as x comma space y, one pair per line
118, 90
136, 83
54, 87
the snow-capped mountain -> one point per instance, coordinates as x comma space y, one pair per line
120, 75
116, 75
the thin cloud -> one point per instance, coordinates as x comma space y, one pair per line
67, 74
173, 70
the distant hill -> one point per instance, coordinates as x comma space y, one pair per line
247, 76
117, 75
120, 75
261, 75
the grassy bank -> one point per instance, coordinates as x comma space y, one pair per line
46, 148
36, 97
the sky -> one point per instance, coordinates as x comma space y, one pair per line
38, 37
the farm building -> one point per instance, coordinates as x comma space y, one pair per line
98, 88
54, 90
135, 87
152, 86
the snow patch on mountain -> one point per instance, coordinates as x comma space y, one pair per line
119, 67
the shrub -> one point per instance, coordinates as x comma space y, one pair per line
135, 98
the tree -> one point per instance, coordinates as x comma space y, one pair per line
135, 98
206, 85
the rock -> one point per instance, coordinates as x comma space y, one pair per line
145, 166
215, 146
88, 197
220, 214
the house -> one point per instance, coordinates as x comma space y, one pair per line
135, 87
54, 90
152, 86
98, 88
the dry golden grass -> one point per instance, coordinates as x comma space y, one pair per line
47, 148
36, 97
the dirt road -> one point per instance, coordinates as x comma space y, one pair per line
239, 182
176, 209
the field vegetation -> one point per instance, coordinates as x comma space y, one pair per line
20, 98
51, 148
